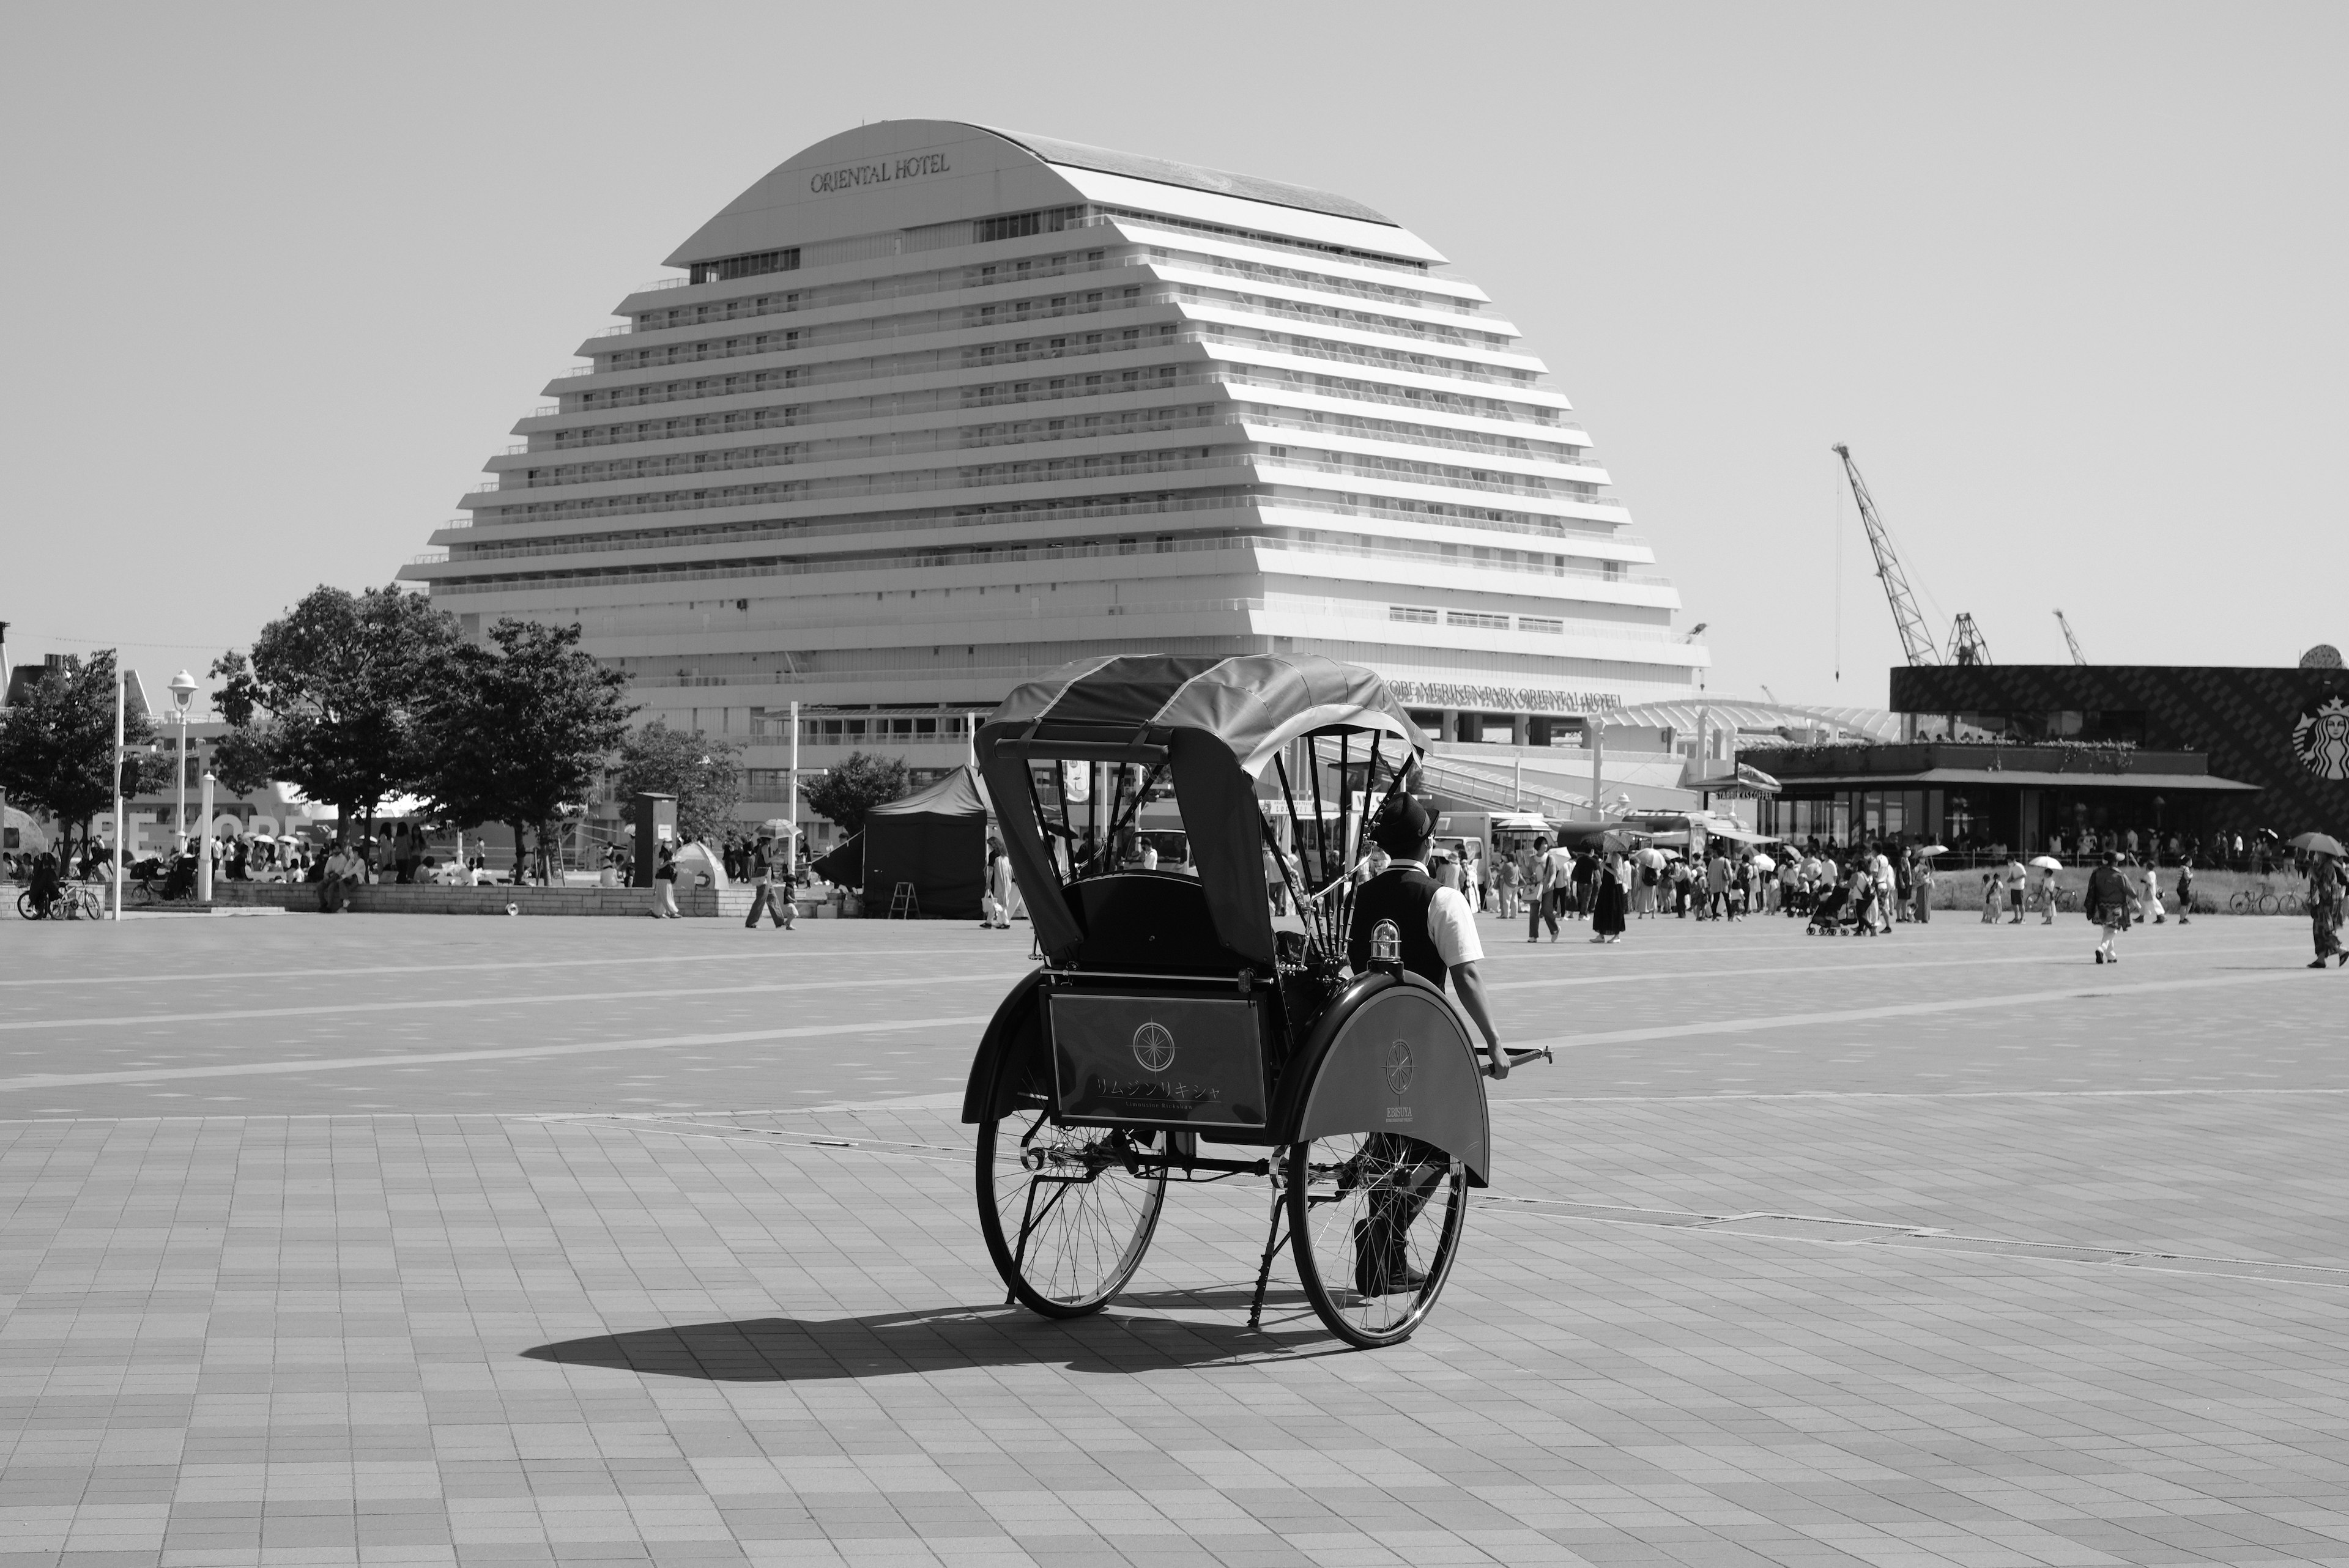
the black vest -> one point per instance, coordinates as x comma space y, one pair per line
1403, 894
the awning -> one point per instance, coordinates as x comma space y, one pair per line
2020, 778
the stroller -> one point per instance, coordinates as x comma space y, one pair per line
1827, 911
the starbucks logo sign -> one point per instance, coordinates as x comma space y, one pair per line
2320, 738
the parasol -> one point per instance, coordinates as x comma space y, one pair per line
1764, 863
1934, 849
2317, 844
2048, 864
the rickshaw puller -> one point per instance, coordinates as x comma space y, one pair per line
1437, 927
1438, 937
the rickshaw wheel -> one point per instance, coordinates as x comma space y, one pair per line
1066, 1219
1374, 1224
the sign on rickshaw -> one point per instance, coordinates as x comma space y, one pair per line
1174, 1035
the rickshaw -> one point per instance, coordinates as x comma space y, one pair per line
1172, 1034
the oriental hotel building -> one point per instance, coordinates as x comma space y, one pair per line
932, 407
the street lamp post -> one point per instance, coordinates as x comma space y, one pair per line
791, 799
183, 692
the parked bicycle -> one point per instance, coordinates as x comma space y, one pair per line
149, 891
72, 901
2266, 900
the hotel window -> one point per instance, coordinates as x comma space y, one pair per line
1540, 623
1411, 613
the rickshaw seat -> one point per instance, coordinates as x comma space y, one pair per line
1154, 920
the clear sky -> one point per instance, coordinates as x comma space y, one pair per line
2069, 279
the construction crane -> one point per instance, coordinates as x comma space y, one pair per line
2070, 641
1916, 642
1967, 644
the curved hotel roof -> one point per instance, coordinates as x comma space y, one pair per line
933, 407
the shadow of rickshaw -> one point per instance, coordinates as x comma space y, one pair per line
947, 1339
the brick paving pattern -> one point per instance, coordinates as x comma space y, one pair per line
416, 1239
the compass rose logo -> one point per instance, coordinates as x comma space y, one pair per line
2320, 739
1399, 1067
1154, 1047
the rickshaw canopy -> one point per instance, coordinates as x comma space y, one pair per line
1216, 723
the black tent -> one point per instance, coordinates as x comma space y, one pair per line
935, 839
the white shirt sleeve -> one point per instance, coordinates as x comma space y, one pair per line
1452, 927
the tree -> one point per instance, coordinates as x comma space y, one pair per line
57, 749
854, 786
329, 699
701, 772
516, 731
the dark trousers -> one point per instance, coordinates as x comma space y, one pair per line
771, 899
1539, 906
333, 892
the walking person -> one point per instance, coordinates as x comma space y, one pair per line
2109, 906
2325, 900
2186, 889
2047, 897
1539, 906
2153, 910
1921, 881
769, 895
665, 886
1608, 901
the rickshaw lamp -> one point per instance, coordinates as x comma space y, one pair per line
1386, 947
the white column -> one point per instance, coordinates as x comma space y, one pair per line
179, 798
792, 795
204, 845
1595, 727
118, 823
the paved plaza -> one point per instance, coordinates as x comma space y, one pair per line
426, 1240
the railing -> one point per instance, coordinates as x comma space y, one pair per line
812, 338
914, 482
1176, 227
1065, 607
1440, 481
947, 440
1397, 363
923, 559
1224, 375
428, 558
1558, 528
870, 369
1331, 317
1285, 277
1240, 377
1493, 790
1334, 430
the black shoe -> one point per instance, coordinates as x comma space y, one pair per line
2100, 956
1382, 1271
2319, 963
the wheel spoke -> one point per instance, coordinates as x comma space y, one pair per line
1376, 1220
1073, 1247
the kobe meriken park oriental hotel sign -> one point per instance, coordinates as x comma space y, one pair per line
931, 407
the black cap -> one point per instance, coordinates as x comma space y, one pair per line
1402, 827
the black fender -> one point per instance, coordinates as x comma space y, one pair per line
1018, 1024
1389, 1055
